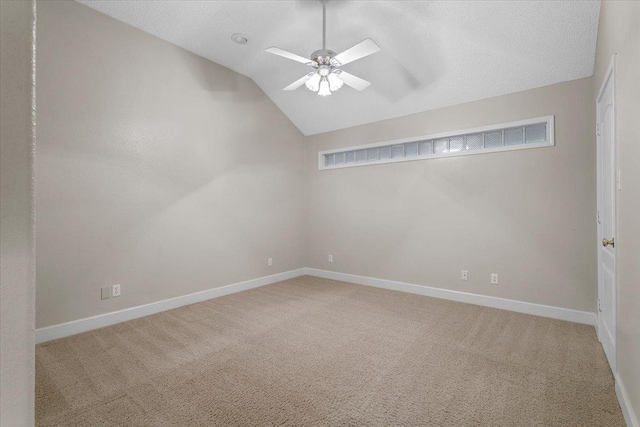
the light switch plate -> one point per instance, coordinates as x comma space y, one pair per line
105, 292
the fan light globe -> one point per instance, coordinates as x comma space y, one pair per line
324, 70
313, 83
324, 87
334, 82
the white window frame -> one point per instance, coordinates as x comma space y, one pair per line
550, 142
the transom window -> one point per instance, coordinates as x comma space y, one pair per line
532, 133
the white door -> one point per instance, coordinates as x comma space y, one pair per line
607, 186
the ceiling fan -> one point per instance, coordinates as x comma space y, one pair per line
327, 75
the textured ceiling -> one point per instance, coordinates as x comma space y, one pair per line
434, 54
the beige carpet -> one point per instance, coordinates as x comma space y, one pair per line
315, 352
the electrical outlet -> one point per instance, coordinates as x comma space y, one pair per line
494, 278
115, 291
269, 262
464, 275
105, 292
330, 258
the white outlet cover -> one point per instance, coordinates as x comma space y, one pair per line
330, 258
494, 278
464, 275
115, 291
269, 262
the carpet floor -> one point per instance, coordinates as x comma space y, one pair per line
316, 352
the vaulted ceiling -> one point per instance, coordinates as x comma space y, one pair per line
433, 54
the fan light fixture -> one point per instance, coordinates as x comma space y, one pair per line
334, 82
313, 84
327, 77
324, 87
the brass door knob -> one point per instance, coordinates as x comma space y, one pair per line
606, 242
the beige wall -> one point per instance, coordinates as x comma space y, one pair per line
157, 170
619, 33
17, 269
527, 215
169, 174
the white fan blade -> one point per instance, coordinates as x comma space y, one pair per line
295, 85
289, 55
353, 81
362, 49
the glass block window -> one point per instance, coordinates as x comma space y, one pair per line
441, 146
411, 149
493, 139
330, 159
533, 133
425, 148
456, 144
397, 152
475, 141
350, 157
514, 136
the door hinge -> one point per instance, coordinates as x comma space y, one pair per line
598, 129
599, 305
598, 217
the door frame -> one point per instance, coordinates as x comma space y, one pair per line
609, 76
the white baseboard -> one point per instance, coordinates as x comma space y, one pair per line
487, 301
82, 325
625, 403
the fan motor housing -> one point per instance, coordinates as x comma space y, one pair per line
323, 56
